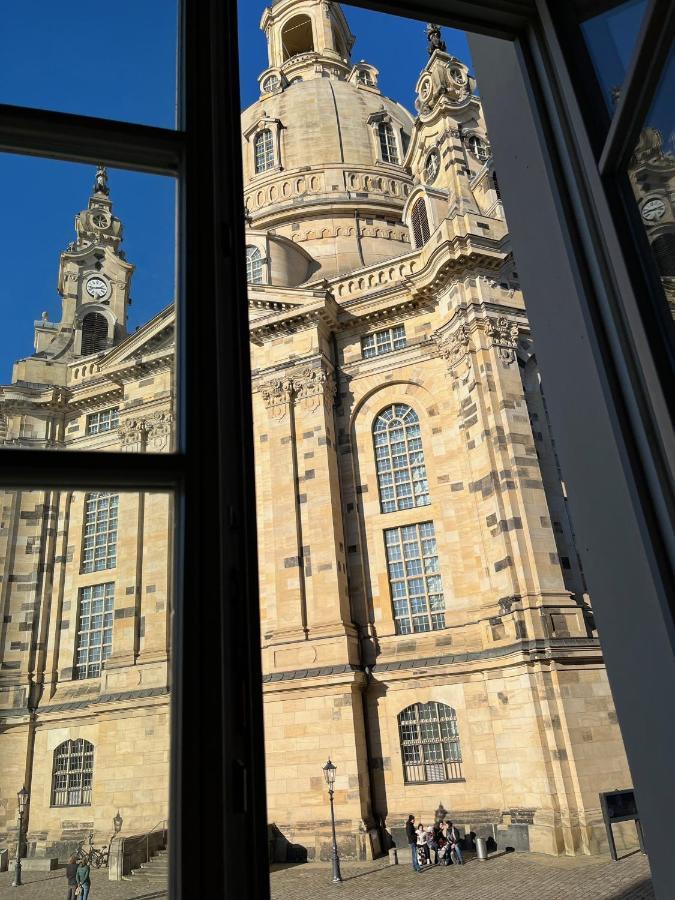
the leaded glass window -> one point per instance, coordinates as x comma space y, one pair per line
104, 420
254, 265
99, 543
388, 149
94, 629
264, 151
383, 341
430, 747
420, 223
414, 578
399, 459
72, 773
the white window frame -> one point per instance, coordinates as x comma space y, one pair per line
94, 619
103, 420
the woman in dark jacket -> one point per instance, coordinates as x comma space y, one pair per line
71, 875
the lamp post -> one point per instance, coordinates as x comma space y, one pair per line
22, 798
117, 827
329, 771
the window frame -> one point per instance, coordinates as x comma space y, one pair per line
593, 270
82, 771
447, 763
268, 153
385, 460
95, 497
114, 421
86, 646
393, 339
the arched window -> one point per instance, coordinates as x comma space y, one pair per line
414, 578
72, 773
264, 151
94, 333
388, 149
477, 147
420, 223
363, 76
254, 265
663, 249
296, 36
399, 459
430, 747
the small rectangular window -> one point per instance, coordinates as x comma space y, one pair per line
104, 420
94, 629
99, 538
383, 341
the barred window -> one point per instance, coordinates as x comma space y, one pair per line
94, 629
99, 543
383, 341
264, 151
388, 149
254, 265
430, 747
399, 459
414, 578
420, 224
105, 420
72, 773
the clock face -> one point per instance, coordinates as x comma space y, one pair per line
97, 287
653, 209
431, 166
100, 220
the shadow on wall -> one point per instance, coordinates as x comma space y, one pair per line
281, 850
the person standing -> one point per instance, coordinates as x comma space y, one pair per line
422, 846
71, 876
411, 837
455, 839
82, 876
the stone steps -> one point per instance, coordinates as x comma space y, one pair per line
155, 871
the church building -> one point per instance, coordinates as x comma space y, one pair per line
424, 618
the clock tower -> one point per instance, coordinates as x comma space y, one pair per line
94, 281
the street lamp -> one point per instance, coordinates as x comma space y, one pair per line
22, 798
329, 771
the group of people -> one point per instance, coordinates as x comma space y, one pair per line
441, 839
79, 879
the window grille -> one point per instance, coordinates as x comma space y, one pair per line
430, 747
72, 773
94, 333
254, 265
399, 459
383, 341
94, 629
264, 151
105, 420
99, 543
388, 149
414, 578
420, 224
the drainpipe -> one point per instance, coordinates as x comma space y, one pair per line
359, 245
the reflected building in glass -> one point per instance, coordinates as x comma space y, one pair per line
425, 620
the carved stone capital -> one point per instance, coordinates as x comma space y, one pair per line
158, 430
504, 336
314, 386
132, 435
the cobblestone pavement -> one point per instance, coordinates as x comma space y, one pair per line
511, 876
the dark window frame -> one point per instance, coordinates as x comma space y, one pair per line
218, 704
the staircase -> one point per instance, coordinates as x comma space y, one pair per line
154, 873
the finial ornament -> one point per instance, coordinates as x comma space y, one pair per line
101, 182
434, 39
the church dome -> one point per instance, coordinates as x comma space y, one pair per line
323, 150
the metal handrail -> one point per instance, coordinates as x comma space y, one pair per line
134, 840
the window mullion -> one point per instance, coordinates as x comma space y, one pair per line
87, 139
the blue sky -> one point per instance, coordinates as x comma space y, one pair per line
123, 66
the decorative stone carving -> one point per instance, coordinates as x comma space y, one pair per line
310, 386
504, 336
132, 435
158, 429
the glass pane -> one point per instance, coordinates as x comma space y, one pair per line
103, 746
87, 339
116, 63
611, 38
652, 176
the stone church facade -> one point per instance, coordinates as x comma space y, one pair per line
424, 617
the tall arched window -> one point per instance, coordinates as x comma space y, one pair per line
430, 747
94, 333
388, 149
264, 151
72, 773
399, 459
478, 147
420, 223
254, 265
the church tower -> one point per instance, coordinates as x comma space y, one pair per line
94, 280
